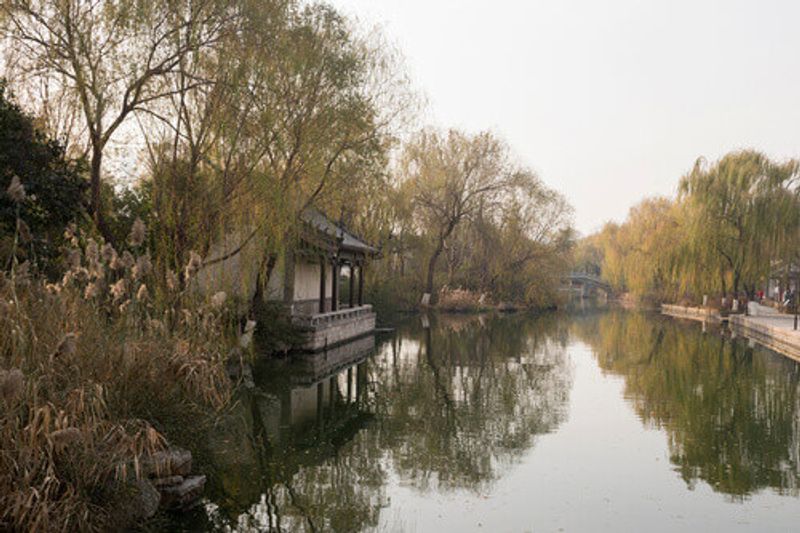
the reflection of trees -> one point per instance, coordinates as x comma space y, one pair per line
459, 400
731, 412
317, 479
451, 407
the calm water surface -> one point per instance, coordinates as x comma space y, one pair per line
593, 421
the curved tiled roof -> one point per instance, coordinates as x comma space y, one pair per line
347, 241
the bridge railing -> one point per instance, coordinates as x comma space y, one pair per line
591, 278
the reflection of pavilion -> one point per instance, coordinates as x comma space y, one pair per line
297, 417
300, 417
325, 395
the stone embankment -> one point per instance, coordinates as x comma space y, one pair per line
764, 325
167, 484
705, 314
775, 331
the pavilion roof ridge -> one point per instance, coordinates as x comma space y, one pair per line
346, 238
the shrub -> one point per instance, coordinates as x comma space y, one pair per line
55, 187
461, 300
94, 376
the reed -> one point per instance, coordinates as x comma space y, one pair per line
96, 371
461, 300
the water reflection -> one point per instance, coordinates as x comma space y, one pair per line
730, 410
451, 405
444, 407
471, 394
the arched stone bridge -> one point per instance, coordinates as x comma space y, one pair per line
585, 285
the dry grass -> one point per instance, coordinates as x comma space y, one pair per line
92, 375
461, 300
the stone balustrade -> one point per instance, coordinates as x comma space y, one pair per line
324, 319
328, 329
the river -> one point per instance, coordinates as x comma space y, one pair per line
594, 420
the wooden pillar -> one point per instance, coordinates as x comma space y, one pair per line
320, 406
333, 385
360, 284
361, 382
349, 384
352, 285
322, 284
335, 295
288, 277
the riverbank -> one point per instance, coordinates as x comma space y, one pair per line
765, 326
704, 314
776, 332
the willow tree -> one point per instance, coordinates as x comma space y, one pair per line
112, 57
741, 214
587, 255
643, 255
324, 107
612, 255
652, 239
454, 177
268, 135
202, 148
517, 251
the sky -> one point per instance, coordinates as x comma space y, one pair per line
610, 101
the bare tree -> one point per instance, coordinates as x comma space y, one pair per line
112, 55
455, 177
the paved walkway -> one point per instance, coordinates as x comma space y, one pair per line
776, 321
756, 309
769, 316
774, 330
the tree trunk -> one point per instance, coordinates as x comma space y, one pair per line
750, 291
263, 277
724, 285
96, 201
432, 268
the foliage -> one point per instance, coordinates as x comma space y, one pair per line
237, 159
276, 334
741, 212
107, 60
640, 256
54, 187
733, 222
240, 142
249, 113
499, 229
128, 205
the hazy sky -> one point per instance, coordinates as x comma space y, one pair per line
609, 100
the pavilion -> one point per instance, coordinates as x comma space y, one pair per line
308, 282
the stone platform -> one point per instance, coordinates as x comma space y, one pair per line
326, 330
